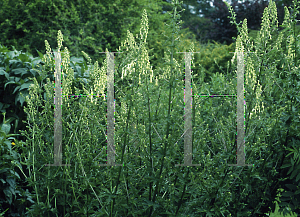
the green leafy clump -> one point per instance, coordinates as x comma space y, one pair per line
150, 131
275, 86
213, 58
14, 197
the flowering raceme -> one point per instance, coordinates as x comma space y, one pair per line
138, 54
250, 75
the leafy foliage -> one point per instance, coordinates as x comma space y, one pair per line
15, 196
149, 131
16, 70
281, 72
217, 26
88, 26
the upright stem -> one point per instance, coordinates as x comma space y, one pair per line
127, 123
34, 178
65, 185
180, 202
150, 143
123, 150
168, 125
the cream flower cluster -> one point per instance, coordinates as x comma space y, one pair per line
143, 62
250, 75
99, 77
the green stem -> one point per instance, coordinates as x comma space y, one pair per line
34, 178
112, 202
150, 143
182, 195
164, 151
123, 149
127, 124
168, 128
4, 117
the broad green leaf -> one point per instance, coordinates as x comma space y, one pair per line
40, 54
287, 194
26, 85
21, 71
290, 170
284, 204
8, 195
291, 187
21, 97
24, 58
297, 192
33, 72
16, 89
294, 173
5, 128
17, 79
10, 82
2, 72
16, 174
11, 182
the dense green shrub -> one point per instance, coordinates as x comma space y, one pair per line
149, 184
14, 194
16, 71
214, 58
88, 26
